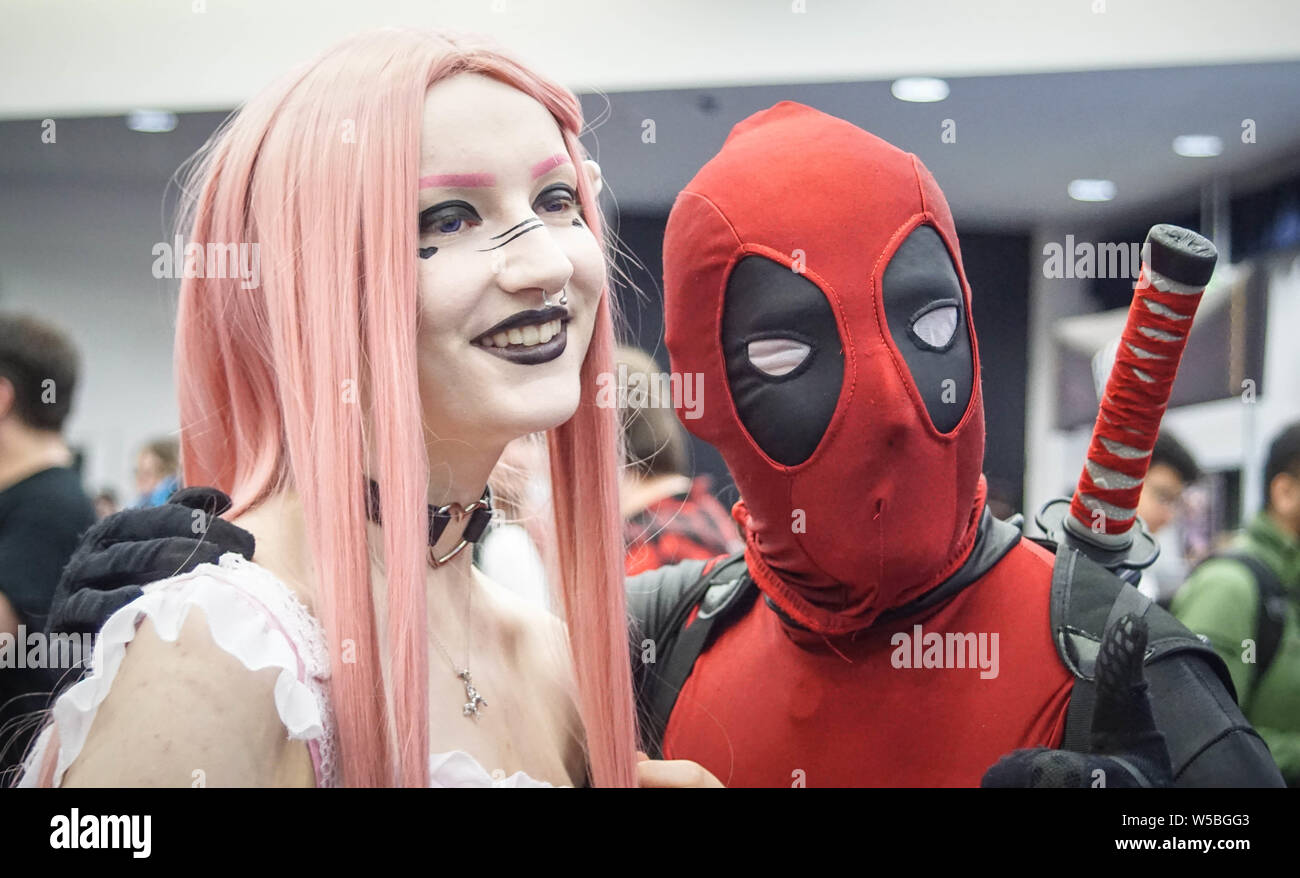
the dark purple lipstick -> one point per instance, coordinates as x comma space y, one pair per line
533, 324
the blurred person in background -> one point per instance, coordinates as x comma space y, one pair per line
106, 503
156, 470
1173, 469
1245, 601
43, 510
668, 516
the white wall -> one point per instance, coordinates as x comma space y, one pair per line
98, 286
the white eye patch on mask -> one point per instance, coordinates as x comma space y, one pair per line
934, 328
777, 357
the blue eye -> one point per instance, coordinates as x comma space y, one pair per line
556, 200
448, 218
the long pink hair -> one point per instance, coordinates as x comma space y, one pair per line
321, 171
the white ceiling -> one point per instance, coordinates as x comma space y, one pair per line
1112, 113
95, 57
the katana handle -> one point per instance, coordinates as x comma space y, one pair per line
1176, 266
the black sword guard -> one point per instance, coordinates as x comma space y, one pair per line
1127, 561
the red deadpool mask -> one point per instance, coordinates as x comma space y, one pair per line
812, 277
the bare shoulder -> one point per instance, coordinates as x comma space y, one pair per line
534, 632
187, 713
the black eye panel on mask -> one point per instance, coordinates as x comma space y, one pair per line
927, 320
786, 414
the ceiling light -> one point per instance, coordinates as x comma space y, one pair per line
920, 89
150, 121
1198, 145
1091, 190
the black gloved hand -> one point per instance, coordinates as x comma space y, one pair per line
1127, 750
134, 547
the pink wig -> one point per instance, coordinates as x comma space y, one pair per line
321, 172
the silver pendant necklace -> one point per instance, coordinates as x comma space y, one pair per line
475, 701
479, 514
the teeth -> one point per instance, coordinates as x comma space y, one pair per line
525, 336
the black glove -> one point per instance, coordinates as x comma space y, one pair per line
1127, 750
137, 546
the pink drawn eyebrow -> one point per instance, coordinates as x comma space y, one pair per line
470, 181
547, 164
458, 181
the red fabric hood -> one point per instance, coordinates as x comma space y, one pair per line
886, 506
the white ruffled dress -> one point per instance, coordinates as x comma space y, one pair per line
262, 623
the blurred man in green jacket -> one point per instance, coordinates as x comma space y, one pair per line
1221, 600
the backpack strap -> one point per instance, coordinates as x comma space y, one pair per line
1270, 616
660, 603
1086, 600
1073, 633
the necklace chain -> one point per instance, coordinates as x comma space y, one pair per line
475, 702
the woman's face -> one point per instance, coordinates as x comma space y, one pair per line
500, 226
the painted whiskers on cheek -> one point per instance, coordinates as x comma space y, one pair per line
522, 222
426, 252
522, 228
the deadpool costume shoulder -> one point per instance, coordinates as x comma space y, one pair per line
679, 610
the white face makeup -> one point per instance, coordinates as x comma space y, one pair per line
500, 226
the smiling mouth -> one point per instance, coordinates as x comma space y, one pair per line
529, 337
